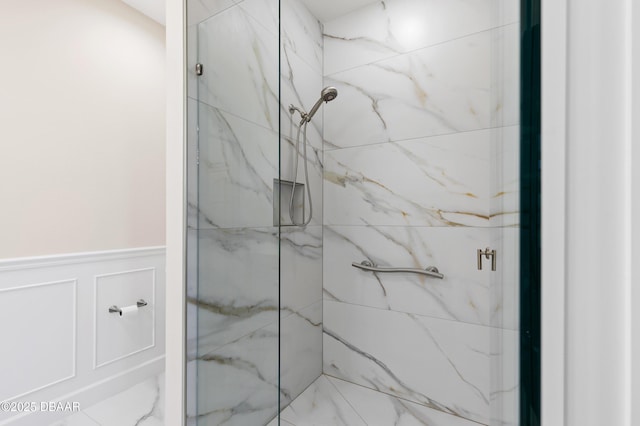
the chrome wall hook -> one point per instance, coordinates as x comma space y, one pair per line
488, 254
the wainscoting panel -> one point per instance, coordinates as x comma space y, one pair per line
44, 350
61, 343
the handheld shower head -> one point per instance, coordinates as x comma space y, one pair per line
327, 95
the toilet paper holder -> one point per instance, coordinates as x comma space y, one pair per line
114, 309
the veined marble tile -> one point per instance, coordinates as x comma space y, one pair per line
192, 292
141, 405
385, 29
506, 12
274, 422
505, 377
377, 408
443, 365
238, 284
78, 419
191, 391
436, 90
463, 294
300, 267
438, 181
265, 12
505, 282
238, 162
192, 60
321, 404
505, 176
505, 76
240, 59
302, 33
301, 86
201, 10
300, 351
192, 163
238, 383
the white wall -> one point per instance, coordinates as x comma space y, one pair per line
82, 111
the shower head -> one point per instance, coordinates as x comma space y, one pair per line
327, 95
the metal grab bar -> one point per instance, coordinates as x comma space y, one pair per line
366, 265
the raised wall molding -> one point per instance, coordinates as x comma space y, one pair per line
56, 319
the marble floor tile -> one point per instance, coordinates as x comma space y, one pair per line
140, 405
377, 408
78, 419
321, 404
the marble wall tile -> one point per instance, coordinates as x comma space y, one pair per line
279, 422
505, 377
385, 29
443, 365
505, 177
192, 163
201, 10
238, 162
506, 12
302, 33
300, 351
192, 60
463, 294
438, 181
265, 13
377, 408
247, 84
300, 267
301, 86
238, 284
238, 382
321, 404
505, 282
436, 90
505, 76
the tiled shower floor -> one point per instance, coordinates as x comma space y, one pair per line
334, 402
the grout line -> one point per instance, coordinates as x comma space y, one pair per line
418, 138
490, 327
395, 56
345, 399
398, 398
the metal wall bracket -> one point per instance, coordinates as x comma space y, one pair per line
488, 254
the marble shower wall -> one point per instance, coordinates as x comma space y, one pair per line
252, 289
420, 169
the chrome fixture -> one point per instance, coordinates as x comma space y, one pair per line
327, 95
199, 69
488, 254
366, 265
114, 309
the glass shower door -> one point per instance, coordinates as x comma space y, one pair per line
233, 322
